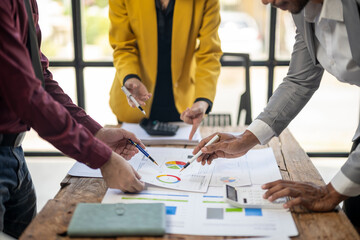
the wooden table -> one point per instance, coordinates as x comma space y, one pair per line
294, 164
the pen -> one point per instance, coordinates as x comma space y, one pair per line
142, 150
214, 139
128, 94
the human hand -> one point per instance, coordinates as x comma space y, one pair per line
228, 146
119, 174
311, 196
138, 91
117, 140
194, 115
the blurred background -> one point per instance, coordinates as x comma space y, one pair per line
75, 39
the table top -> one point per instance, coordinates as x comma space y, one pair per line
294, 164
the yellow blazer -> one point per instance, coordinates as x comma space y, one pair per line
195, 51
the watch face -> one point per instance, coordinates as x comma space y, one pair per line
231, 193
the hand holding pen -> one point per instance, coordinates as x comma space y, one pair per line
143, 151
214, 139
136, 93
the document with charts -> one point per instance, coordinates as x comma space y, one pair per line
233, 171
208, 214
194, 178
242, 171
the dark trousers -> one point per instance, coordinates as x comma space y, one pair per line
17, 195
351, 205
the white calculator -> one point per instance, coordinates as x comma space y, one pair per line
250, 197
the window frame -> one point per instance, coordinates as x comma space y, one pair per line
79, 64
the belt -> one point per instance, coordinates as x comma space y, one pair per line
12, 139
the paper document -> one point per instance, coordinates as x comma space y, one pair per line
209, 214
82, 170
181, 137
255, 167
262, 165
233, 171
171, 160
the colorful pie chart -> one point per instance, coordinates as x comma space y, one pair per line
165, 178
228, 179
175, 164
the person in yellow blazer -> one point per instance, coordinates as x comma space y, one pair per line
167, 53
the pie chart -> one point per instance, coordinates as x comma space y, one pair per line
175, 164
165, 178
228, 179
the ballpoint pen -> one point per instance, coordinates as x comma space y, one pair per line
142, 150
128, 94
214, 139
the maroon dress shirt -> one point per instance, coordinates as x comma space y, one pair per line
25, 104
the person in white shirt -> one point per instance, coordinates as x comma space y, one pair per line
327, 38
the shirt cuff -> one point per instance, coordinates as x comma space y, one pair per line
130, 76
262, 131
205, 100
344, 185
99, 155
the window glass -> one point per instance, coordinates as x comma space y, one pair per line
66, 79
244, 27
285, 35
230, 87
56, 27
329, 120
96, 24
259, 86
98, 82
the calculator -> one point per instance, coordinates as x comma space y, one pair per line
250, 197
154, 127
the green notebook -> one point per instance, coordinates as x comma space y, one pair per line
111, 220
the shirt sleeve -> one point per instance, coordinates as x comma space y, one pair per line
208, 110
24, 95
347, 180
123, 40
345, 186
262, 131
53, 88
207, 55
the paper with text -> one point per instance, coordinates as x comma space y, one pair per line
209, 214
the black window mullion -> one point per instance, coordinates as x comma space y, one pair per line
271, 62
78, 52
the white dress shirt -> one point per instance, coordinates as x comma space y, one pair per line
330, 37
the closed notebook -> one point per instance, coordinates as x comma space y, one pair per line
110, 220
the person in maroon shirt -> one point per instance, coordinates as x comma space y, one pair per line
25, 104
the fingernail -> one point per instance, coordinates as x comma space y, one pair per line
263, 186
204, 149
286, 206
270, 198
